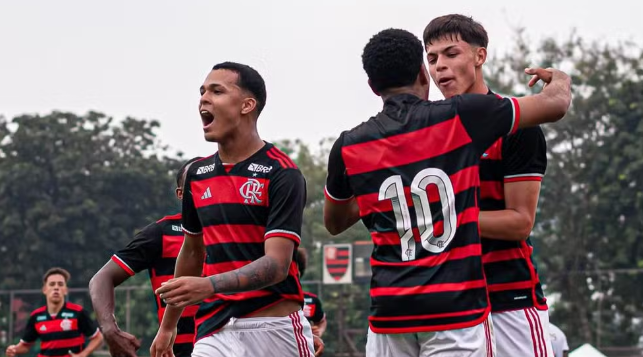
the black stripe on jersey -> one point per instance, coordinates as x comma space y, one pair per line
442, 321
185, 326
512, 299
165, 267
232, 213
456, 159
232, 252
491, 170
448, 272
60, 351
183, 349
507, 271
57, 336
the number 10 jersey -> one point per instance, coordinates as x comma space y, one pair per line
413, 170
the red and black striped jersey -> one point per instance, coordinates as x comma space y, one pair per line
237, 208
413, 170
155, 249
59, 334
313, 309
512, 277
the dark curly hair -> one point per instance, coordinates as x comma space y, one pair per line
392, 59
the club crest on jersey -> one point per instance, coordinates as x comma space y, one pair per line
259, 168
251, 191
65, 325
205, 169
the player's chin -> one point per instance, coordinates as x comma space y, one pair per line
211, 136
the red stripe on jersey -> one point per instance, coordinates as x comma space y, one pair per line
244, 295
64, 343
199, 320
158, 280
429, 316
511, 286
393, 238
233, 233
122, 264
189, 311
171, 246
73, 307
494, 152
492, 189
461, 180
503, 255
39, 310
218, 268
282, 155
523, 178
471, 250
339, 261
168, 218
428, 289
184, 338
230, 189
55, 325
395, 151
516, 115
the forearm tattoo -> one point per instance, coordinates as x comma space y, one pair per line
259, 274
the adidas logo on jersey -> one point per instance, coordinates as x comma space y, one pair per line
259, 168
206, 194
43, 328
205, 169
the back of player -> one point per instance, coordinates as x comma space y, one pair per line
412, 173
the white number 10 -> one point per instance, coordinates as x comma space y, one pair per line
393, 189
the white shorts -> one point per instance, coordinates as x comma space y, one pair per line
289, 336
522, 333
476, 341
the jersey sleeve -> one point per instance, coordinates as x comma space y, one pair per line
524, 155
319, 311
30, 335
86, 325
287, 198
337, 188
487, 118
190, 221
142, 251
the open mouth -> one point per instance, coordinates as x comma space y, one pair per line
206, 118
445, 81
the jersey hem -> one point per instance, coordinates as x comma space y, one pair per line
458, 326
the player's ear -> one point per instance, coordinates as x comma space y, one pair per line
480, 56
377, 93
248, 105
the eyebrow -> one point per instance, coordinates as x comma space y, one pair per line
442, 51
210, 87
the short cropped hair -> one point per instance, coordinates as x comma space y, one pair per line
56, 271
249, 80
392, 59
454, 25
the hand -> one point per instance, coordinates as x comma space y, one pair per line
121, 343
546, 75
11, 351
319, 345
315, 330
185, 291
163, 343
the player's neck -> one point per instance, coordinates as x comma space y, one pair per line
54, 308
240, 147
479, 87
413, 90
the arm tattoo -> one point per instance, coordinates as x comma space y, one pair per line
259, 274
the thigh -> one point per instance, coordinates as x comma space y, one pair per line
522, 333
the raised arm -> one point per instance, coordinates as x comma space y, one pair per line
551, 104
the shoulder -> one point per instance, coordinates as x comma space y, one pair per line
309, 294
74, 307
39, 310
201, 166
174, 217
273, 161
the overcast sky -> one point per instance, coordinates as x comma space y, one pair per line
147, 59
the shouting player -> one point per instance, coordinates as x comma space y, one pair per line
154, 249
62, 327
242, 212
411, 174
510, 174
